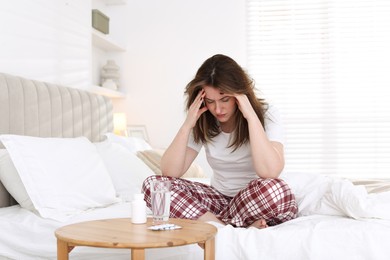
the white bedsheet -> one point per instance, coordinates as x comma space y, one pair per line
337, 220
25, 236
313, 237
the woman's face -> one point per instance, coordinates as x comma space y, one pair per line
222, 106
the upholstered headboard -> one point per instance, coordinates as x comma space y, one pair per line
35, 108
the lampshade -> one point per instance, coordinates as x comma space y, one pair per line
120, 124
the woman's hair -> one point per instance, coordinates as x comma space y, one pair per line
223, 73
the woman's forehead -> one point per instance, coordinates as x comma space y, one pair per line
213, 92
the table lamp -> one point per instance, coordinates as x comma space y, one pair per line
120, 124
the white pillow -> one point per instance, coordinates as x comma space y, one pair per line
62, 176
10, 178
127, 171
133, 144
307, 188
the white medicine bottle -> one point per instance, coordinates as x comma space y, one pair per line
138, 209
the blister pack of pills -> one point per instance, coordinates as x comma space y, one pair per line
164, 227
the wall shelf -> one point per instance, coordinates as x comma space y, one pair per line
115, 2
106, 92
104, 42
108, 46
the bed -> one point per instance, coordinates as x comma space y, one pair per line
55, 135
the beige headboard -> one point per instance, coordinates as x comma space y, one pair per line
35, 108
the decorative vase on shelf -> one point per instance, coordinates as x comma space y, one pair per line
109, 83
110, 75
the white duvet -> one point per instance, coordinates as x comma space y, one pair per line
26, 236
337, 220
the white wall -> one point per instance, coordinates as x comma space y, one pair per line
166, 43
47, 40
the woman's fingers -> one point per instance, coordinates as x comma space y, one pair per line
196, 109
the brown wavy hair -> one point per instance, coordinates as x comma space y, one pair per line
223, 73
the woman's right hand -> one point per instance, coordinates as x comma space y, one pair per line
196, 110
178, 156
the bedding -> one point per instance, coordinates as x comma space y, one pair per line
127, 171
26, 236
326, 195
62, 176
132, 144
151, 157
10, 179
35, 108
338, 218
320, 231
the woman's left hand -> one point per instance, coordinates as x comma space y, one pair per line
245, 106
269, 155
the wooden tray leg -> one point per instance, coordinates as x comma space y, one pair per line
209, 249
62, 250
137, 254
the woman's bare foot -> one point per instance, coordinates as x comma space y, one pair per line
261, 223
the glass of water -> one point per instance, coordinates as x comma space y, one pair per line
161, 201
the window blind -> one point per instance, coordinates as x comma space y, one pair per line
326, 66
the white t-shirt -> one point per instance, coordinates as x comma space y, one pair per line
232, 171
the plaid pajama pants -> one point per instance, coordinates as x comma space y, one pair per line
269, 199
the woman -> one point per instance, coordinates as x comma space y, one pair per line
243, 141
